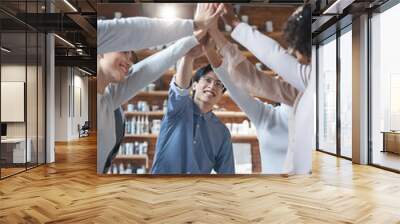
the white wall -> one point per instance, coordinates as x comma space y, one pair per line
61, 103
33, 126
12, 73
68, 81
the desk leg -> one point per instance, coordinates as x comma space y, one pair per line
255, 158
384, 142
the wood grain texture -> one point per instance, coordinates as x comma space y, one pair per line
69, 191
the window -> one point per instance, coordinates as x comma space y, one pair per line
22, 66
385, 89
327, 96
346, 75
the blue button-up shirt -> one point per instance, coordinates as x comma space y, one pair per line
191, 142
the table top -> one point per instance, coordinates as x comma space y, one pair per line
391, 132
13, 140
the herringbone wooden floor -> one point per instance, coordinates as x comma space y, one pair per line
69, 191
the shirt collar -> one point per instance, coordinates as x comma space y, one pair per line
209, 116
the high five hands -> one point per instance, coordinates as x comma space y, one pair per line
206, 23
205, 17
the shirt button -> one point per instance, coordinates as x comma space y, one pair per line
194, 142
198, 126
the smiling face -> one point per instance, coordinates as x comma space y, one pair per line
115, 65
208, 89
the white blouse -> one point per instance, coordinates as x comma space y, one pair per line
301, 122
271, 123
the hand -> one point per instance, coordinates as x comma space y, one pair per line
206, 15
229, 16
199, 34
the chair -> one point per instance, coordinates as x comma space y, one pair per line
84, 130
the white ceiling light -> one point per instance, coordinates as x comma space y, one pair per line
65, 41
79, 51
168, 12
5, 50
70, 5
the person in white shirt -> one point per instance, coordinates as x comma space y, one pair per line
293, 68
118, 81
271, 122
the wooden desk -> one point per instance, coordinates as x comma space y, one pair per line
391, 141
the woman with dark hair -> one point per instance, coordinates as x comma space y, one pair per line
294, 67
271, 122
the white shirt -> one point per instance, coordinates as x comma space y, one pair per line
301, 122
140, 75
271, 123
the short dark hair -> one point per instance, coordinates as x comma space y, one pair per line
297, 30
202, 72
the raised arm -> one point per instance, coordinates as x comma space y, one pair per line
254, 109
137, 33
269, 52
184, 71
254, 82
150, 69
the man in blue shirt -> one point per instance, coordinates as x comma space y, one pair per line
192, 139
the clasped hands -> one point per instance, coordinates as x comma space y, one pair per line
206, 22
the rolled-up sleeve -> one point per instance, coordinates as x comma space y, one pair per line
178, 98
255, 82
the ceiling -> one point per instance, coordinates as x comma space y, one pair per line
185, 1
329, 16
72, 20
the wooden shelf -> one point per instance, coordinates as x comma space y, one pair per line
132, 157
149, 136
136, 160
140, 113
220, 114
157, 93
171, 72
270, 34
235, 138
164, 94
